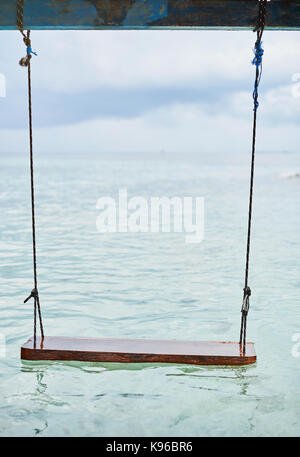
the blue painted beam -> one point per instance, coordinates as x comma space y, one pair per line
149, 14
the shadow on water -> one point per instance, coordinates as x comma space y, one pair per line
240, 375
98, 367
88, 367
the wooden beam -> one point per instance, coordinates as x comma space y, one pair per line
137, 351
149, 14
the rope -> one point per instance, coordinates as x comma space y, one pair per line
257, 61
25, 62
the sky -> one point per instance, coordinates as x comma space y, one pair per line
150, 91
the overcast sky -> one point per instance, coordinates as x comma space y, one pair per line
147, 91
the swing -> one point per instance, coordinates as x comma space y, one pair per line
141, 350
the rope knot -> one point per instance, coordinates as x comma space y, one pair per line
33, 294
247, 291
257, 61
24, 62
246, 301
258, 53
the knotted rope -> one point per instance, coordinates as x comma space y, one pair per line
25, 62
257, 61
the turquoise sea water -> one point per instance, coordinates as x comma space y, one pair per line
151, 286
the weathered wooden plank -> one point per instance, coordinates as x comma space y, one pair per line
138, 351
149, 14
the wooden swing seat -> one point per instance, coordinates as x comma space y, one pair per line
137, 351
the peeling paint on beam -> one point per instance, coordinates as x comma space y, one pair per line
149, 14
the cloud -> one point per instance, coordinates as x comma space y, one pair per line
181, 129
144, 90
52, 108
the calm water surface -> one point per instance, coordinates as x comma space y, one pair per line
151, 286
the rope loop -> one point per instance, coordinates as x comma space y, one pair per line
261, 16
24, 62
33, 294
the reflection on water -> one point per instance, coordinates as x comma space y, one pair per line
150, 286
